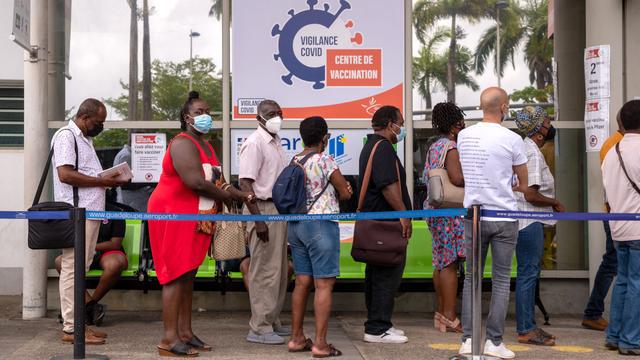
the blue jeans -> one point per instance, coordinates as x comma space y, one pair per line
529, 254
604, 277
625, 302
315, 248
502, 235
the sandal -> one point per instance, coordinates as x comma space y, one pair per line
536, 337
198, 344
180, 349
308, 344
547, 334
333, 352
447, 325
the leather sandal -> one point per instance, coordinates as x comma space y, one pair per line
447, 325
198, 344
333, 352
308, 344
536, 337
180, 349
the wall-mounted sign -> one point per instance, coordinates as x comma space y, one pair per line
596, 123
344, 145
597, 72
21, 29
340, 59
147, 152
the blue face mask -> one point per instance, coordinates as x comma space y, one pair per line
203, 123
402, 134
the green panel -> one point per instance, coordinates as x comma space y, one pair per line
131, 244
207, 269
418, 265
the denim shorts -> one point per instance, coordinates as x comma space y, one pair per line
315, 247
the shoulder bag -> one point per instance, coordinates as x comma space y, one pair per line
624, 169
52, 234
442, 193
377, 242
229, 240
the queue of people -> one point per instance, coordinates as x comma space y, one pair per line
495, 166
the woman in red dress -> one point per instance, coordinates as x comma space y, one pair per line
186, 186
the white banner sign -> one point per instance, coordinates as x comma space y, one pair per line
597, 72
147, 152
344, 145
596, 123
340, 59
21, 26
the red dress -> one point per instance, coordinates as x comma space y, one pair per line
175, 245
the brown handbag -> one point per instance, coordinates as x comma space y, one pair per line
377, 242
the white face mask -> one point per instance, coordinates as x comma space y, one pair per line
273, 125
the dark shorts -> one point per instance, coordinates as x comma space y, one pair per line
95, 265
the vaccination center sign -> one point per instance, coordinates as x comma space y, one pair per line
340, 59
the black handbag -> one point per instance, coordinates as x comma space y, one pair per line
52, 233
377, 242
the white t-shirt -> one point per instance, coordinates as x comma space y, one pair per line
488, 153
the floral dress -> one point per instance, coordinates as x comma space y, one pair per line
447, 232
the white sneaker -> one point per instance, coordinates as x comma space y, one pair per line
386, 338
396, 331
499, 351
465, 348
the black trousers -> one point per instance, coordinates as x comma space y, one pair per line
381, 286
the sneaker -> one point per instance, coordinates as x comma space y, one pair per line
386, 338
611, 346
632, 352
270, 338
282, 330
499, 351
465, 348
395, 331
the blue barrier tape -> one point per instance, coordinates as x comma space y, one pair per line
99, 215
577, 216
35, 215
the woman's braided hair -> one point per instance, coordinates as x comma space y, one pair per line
445, 115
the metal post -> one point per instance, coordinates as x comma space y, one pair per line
498, 67
226, 89
36, 147
408, 95
79, 269
79, 219
476, 285
190, 60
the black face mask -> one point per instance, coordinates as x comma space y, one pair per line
551, 134
95, 131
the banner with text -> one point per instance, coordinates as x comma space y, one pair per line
344, 145
337, 59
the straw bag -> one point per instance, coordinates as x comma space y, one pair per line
442, 193
229, 239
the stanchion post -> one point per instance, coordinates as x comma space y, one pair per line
79, 219
476, 284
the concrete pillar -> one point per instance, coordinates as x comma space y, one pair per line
569, 40
57, 43
632, 49
598, 13
36, 147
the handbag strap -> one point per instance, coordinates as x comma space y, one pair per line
367, 176
624, 169
45, 172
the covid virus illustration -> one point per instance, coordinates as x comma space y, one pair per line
304, 38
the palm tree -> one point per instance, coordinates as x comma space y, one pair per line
146, 63
428, 12
133, 60
216, 9
430, 68
520, 25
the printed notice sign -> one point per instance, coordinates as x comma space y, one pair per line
597, 72
596, 123
147, 152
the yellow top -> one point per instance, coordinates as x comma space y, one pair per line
609, 144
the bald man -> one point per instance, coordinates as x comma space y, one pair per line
494, 165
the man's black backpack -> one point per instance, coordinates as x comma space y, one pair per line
290, 190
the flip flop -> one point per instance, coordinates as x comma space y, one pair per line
333, 352
198, 344
308, 344
180, 349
